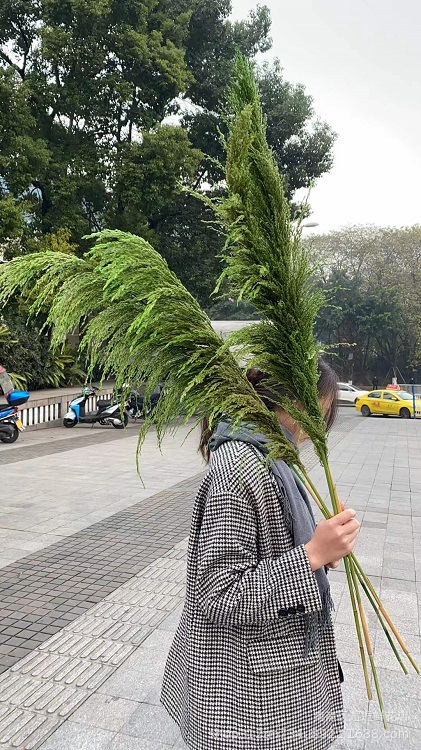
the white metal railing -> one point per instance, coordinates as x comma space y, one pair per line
408, 387
39, 414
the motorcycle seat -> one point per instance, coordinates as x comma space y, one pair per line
101, 403
5, 407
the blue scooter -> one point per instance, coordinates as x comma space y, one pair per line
10, 424
107, 413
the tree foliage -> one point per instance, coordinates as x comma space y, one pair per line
86, 78
372, 276
109, 106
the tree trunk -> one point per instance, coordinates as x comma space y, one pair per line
46, 203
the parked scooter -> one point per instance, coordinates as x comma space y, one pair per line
108, 411
10, 424
136, 407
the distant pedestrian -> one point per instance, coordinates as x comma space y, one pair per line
375, 382
241, 673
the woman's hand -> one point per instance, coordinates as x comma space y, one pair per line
335, 563
333, 539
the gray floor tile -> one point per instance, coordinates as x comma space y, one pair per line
180, 744
171, 622
152, 723
132, 685
72, 736
105, 711
394, 737
127, 742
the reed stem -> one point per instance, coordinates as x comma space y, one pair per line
380, 618
367, 640
337, 508
368, 585
387, 618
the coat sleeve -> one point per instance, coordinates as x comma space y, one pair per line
232, 586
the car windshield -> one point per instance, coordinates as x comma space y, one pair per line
406, 396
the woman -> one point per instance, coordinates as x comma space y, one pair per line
253, 663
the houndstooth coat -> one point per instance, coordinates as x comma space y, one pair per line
234, 677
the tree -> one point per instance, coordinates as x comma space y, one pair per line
302, 145
87, 78
87, 89
373, 276
147, 178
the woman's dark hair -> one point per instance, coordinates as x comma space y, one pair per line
327, 388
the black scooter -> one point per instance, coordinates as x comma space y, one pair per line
136, 407
108, 411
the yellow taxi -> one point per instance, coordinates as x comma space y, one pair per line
395, 402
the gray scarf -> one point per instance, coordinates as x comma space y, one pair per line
298, 514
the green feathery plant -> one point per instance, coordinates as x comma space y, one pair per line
139, 322
266, 263
268, 266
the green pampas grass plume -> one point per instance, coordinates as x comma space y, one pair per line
139, 322
266, 263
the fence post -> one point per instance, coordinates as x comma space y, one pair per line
413, 396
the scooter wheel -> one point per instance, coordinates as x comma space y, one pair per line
11, 438
69, 422
123, 424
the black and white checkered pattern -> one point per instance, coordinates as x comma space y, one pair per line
235, 678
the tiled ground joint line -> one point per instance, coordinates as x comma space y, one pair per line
93, 437
43, 690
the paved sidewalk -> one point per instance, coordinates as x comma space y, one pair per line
56, 482
102, 670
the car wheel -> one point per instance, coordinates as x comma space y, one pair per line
405, 413
365, 411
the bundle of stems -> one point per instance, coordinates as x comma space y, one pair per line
365, 582
269, 266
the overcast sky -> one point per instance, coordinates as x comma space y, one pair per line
361, 62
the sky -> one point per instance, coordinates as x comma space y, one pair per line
361, 63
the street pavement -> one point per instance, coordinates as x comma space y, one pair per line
56, 482
92, 576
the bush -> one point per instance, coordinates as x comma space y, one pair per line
24, 350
